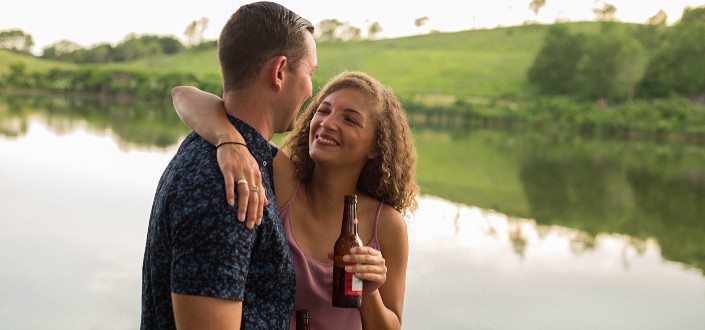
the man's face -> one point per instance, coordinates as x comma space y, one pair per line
299, 88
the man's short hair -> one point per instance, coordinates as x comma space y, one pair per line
254, 34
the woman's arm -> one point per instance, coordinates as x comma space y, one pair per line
383, 297
205, 114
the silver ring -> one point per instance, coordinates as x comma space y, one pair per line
241, 181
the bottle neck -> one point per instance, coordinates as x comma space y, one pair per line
349, 226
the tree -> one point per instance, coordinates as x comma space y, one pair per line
421, 21
606, 13
194, 32
60, 49
131, 48
16, 40
350, 33
554, 69
633, 67
659, 19
373, 30
613, 64
536, 5
327, 30
653, 34
692, 16
101, 53
679, 66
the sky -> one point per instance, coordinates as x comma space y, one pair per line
88, 22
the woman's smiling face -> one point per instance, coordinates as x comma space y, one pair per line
343, 129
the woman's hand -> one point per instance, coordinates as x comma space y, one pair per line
236, 163
370, 267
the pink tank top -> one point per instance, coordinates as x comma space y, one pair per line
314, 283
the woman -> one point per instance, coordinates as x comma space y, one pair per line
353, 138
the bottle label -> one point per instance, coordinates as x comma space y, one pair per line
353, 285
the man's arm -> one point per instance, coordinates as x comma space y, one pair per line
197, 312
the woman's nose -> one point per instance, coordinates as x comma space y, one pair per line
327, 123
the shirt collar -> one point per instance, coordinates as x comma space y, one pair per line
259, 146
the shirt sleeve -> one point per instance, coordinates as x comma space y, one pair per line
211, 249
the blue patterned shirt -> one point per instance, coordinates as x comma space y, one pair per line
196, 246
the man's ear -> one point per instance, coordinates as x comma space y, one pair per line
277, 72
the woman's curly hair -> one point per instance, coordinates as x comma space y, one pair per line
389, 177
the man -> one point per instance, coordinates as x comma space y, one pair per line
202, 268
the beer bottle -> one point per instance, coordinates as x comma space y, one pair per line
302, 319
347, 288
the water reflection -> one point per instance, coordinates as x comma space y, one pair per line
639, 189
134, 125
476, 269
642, 189
623, 253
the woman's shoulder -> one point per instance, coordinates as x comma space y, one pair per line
391, 222
285, 182
392, 233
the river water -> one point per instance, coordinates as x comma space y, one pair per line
533, 252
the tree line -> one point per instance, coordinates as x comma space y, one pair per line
135, 46
623, 62
104, 82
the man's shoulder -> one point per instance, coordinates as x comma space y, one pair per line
193, 172
194, 156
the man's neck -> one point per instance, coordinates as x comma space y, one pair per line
250, 107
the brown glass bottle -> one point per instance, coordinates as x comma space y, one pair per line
302, 319
347, 288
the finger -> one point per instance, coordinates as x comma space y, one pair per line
229, 189
376, 278
362, 261
365, 250
366, 269
373, 280
252, 208
243, 194
364, 255
227, 172
260, 208
371, 283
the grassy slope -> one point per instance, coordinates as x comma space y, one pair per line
488, 63
202, 63
476, 63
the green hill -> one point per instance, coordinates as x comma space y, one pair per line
442, 67
476, 63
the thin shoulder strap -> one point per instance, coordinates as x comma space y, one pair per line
297, 188
292, 196
379, 211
